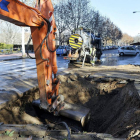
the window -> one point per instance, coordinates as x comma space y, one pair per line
61, 47
131, 48
124, 48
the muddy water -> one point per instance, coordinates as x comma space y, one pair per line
112, 58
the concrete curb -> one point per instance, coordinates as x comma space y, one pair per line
13, 59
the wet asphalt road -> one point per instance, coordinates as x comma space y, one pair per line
18, 76
21, 66
112, 58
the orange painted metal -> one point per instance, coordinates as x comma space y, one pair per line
23, 15
20, 14
45, 8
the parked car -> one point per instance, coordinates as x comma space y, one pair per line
114, 47
107, 47
103, 48
68, 48
127, 50
61, 50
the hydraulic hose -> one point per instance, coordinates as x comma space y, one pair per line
49, 26
28, 48
46, 59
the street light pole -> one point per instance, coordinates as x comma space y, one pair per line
23, 45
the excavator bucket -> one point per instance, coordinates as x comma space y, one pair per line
78, 113
72, 111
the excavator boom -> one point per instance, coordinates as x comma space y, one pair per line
43, 29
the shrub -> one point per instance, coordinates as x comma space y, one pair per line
6, 46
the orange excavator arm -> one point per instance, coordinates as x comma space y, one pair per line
41, 21
42, 24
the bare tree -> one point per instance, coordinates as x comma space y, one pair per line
106, 30
117, 35
60, 20
126, 39
75, 13
10, 32
70, 15
29, 2
109, 32
137, 38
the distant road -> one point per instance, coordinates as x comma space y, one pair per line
112, 58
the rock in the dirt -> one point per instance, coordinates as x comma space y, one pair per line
83, 97
31, 120
134, 134
69, 80
73, 77
103, 135
62, 78
123, 82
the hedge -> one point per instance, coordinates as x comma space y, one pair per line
6, 46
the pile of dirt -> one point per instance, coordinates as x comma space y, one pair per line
21, 111
114, 105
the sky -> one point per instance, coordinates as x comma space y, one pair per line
121, 14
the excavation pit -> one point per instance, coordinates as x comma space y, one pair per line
113, 102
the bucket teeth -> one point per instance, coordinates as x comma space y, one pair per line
72, 111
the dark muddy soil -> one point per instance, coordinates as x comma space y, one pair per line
113, 103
